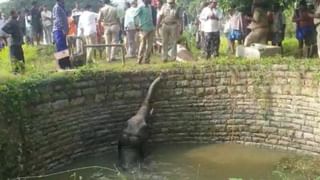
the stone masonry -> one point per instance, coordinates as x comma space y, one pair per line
273, 107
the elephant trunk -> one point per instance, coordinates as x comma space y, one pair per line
145, 107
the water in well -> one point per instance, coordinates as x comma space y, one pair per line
185, 162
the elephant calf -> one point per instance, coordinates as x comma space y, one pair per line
131, 144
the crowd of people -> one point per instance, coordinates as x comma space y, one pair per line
154, 21
247, 27
150, 20
261, 24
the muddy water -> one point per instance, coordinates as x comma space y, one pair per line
184, 162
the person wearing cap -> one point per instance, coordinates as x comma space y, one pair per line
109, 16
259, 25
170, 19
210, 19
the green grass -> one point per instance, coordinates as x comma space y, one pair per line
296, 168
40, 62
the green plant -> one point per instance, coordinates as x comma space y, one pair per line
294, 168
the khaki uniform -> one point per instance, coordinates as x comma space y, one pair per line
145, 48
109, 16
259, 28
317, 24
171, 19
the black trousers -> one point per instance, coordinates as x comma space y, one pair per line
17, 58
212, 44
16, 53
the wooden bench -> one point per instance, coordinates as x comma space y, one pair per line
84, 47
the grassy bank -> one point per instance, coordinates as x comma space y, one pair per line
40, 62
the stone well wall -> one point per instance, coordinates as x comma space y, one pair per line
270, 106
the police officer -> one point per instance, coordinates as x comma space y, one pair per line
170, 21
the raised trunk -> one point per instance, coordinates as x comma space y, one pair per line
145, 106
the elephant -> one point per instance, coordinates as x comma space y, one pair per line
132, 141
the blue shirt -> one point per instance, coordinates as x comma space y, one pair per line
60, 19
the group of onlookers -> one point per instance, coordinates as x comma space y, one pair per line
149, 20
262, 24
29, 27
247, 27
154, 21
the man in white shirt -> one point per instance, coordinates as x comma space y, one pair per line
46, 17
28, 38
88, 27
210, 20
131, 30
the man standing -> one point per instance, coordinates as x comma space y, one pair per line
145, 17
46, 17
15, 42
316, 17
3, 39
277, 26
22, 22
131, 30
210, 17
88, 27
28, 37
60, 30
76, 12
170, 18
36, 23
259, 25
108, 15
